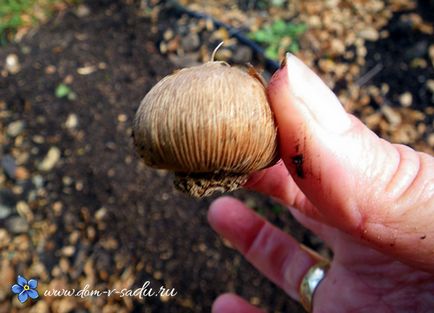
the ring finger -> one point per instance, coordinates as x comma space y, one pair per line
274, 253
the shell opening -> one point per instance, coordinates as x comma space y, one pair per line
201, 185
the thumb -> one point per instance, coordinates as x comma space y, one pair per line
366, 186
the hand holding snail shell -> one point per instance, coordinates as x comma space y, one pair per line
210, 124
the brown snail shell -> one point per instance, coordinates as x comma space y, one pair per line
210, 124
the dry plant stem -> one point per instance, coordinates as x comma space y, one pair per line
215, 51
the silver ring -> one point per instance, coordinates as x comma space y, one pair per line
310, 282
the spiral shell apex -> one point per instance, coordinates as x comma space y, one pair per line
210, 124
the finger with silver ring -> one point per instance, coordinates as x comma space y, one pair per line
273, 252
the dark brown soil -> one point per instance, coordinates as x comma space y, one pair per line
160, 234
396, 53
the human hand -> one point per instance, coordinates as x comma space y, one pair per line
371, 201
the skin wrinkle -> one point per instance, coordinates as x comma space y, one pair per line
268, 242
408, 237
247, 248
356, 286
386, 214
344, 212
392, 296
370, 211
359, 134
397, 179
378, 269
407, 275
387, 294
284, 191
362, 205
286, 271
281, 189
423, 168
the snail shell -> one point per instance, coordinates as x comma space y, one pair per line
210, 124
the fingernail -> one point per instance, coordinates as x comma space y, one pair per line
311, 92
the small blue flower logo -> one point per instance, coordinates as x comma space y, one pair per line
25, 289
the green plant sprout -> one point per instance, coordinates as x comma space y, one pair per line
279, 37
64, 91
11, 16
15, 14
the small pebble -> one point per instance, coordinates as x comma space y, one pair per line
7, 274
82, 10
13, 64
430, 85
223, 54
157, 275
326, 65
122, 118
17, 225
24, 211
391, 115
71, 121
431, 140
5, 211
38, 139
191, 42
68, 251
406, 99
168, 34
4, 236
419, 63
38, 181
23, 156
50, 160
15, 128
21, 173
242, 55
337, 46
370, 34
86, 70
9, 166
255, 301
50, 69
66, 180
164, 298
385, 88
431, 53
101, 214
68, 80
